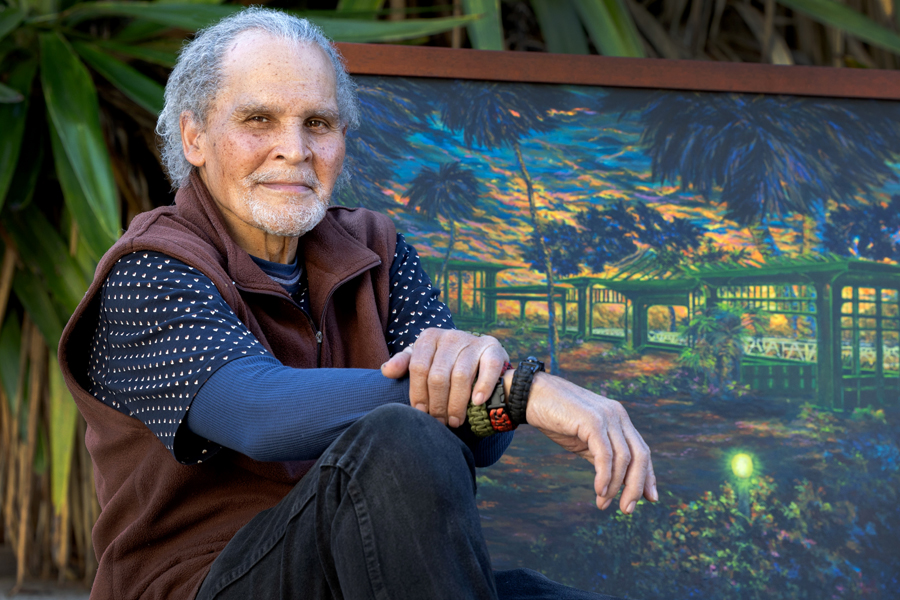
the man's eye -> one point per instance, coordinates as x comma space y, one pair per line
317, 123
258, 119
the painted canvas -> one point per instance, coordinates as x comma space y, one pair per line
725, 265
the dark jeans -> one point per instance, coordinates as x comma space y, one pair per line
388, 512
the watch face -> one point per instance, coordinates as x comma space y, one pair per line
534, 363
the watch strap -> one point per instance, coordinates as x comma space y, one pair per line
520, 388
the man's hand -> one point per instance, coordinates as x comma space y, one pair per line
599, 430
442, 366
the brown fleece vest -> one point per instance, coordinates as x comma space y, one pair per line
163, 523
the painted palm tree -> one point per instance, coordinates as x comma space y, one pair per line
718, 336
449, 193
767, 156
496, 116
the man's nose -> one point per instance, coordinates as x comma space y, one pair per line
293, 145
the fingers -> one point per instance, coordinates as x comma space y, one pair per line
602, 452
650, 491
454, 369
631, 466
621, 460
398, 365
490, 367
639, 472
442, 369
450, 382
469, 363
419, 370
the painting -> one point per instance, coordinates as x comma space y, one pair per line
724, 263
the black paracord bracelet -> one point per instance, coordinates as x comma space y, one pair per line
521, 388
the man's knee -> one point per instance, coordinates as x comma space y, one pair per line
396, 441
406, 429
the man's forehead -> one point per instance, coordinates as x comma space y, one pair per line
256, 47
263, 70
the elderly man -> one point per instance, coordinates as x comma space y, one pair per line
261, 422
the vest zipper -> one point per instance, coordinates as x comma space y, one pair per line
319, 334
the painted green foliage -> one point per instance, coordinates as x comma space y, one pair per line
801, 539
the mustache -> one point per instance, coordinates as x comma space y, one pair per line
307, 178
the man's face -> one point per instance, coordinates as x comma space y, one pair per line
273, 145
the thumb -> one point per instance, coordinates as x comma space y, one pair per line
398, 365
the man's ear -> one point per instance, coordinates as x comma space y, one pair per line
191, 138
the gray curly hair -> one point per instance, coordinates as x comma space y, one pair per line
197, 76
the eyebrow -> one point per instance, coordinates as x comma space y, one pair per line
244, 110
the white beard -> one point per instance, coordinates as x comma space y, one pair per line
292, 220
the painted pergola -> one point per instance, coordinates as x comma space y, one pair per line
637, 295
462, 289
857, 321
850, 356
854, 356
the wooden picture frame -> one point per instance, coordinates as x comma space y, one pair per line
534, 67
804, 390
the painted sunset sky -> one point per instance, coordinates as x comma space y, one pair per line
593, 156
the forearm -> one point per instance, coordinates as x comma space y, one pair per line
270, 412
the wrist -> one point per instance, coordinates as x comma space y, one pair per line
507, 378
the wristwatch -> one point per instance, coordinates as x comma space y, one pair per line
521, 388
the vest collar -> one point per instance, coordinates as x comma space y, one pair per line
330, 254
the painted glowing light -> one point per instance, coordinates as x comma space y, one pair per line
742, 465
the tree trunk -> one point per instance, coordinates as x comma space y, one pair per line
813, 226
447, 260
763, 239
552, 331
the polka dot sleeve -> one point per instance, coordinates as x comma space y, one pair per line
163, 329
414, 303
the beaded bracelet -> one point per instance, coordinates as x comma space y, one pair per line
498, 411
479, 421
491, 417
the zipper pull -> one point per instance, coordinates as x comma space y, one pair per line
319, 349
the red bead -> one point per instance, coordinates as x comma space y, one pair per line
500, 420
